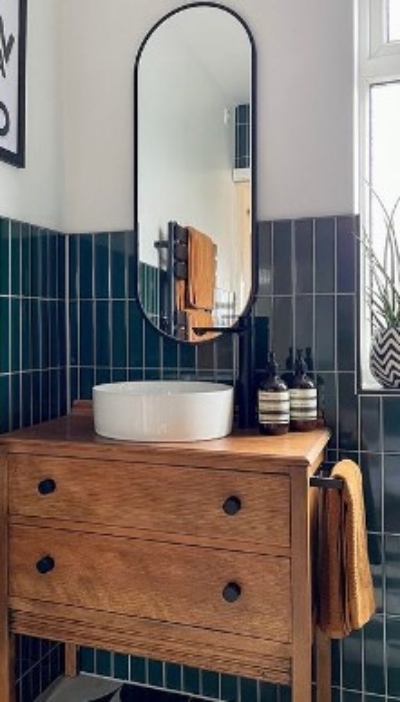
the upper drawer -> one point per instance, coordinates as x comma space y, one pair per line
242, 593
180, 500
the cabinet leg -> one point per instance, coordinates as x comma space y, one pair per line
7, 658
323, 666
70, 660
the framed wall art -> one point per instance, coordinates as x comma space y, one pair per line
12, 81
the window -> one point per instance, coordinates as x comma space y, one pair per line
393, 20
379, 146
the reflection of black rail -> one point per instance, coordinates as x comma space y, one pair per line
176, 247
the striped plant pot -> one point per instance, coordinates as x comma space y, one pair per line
385, 358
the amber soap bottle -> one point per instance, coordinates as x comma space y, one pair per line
303, 398
273, 402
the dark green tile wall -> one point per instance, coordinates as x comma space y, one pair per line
307, 299
32, 378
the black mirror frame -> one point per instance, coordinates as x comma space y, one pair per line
237, 327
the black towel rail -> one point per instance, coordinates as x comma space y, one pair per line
322, 479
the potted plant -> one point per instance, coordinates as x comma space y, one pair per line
383, 298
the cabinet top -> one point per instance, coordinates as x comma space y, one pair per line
74, 436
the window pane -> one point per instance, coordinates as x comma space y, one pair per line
393, 20
385, 156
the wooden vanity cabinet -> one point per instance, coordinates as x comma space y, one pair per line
198, 553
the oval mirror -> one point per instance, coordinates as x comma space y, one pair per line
194, 171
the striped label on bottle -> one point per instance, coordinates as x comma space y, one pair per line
273, 407
303, 403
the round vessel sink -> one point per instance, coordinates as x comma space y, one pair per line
163, 410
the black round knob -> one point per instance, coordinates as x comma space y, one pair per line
232, 505
45, 565
47, 486
231, 592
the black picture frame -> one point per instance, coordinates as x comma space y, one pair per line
13, 48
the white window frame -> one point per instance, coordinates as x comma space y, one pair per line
379, 62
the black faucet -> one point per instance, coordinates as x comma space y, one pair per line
244, 385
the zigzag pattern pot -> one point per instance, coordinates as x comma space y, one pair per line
385, 358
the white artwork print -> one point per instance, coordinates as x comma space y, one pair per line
9, 75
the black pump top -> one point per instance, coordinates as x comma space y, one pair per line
300, 365
273, 366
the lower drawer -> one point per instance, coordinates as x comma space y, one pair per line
215, 589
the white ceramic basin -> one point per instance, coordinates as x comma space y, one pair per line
163, 410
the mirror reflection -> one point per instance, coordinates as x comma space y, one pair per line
193, 171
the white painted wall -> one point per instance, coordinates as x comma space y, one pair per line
305, 110
33, 194
305, 106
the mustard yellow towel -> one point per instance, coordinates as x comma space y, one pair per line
346, 594
201, 270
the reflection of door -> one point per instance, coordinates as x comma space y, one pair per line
243, 224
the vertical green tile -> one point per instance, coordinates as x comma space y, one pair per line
135, 336
86, 345
325, 333
152, 347
209, 682
15, 401
155, 673
4, 335
186, 356
4, 403
45, 333
325, 254
119, 334
86, 379
103, 375
101, 266
191, 680
15, 334
118, 375
35, 336
103, 333
352, 662
25, 260
73, 248
248, 690
44, 262
26, 397
137, 667
4, 255
26, 334
36, 409
53, 261
374, 656
61, 265
35, 262
121, 666
74, 332
268, 692
117, 266
45, 396
282, 255
173, 676
54, 392
15, 258
85, 266
304, 255
103, 663
86, 659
